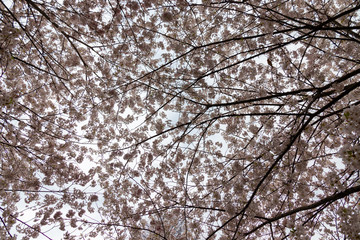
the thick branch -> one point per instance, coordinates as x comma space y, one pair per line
329, 199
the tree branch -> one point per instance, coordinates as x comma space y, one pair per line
330, 199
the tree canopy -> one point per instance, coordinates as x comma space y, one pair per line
180, 119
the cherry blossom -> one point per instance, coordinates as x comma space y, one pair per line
179, 119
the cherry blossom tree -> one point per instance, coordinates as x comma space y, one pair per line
195, 119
